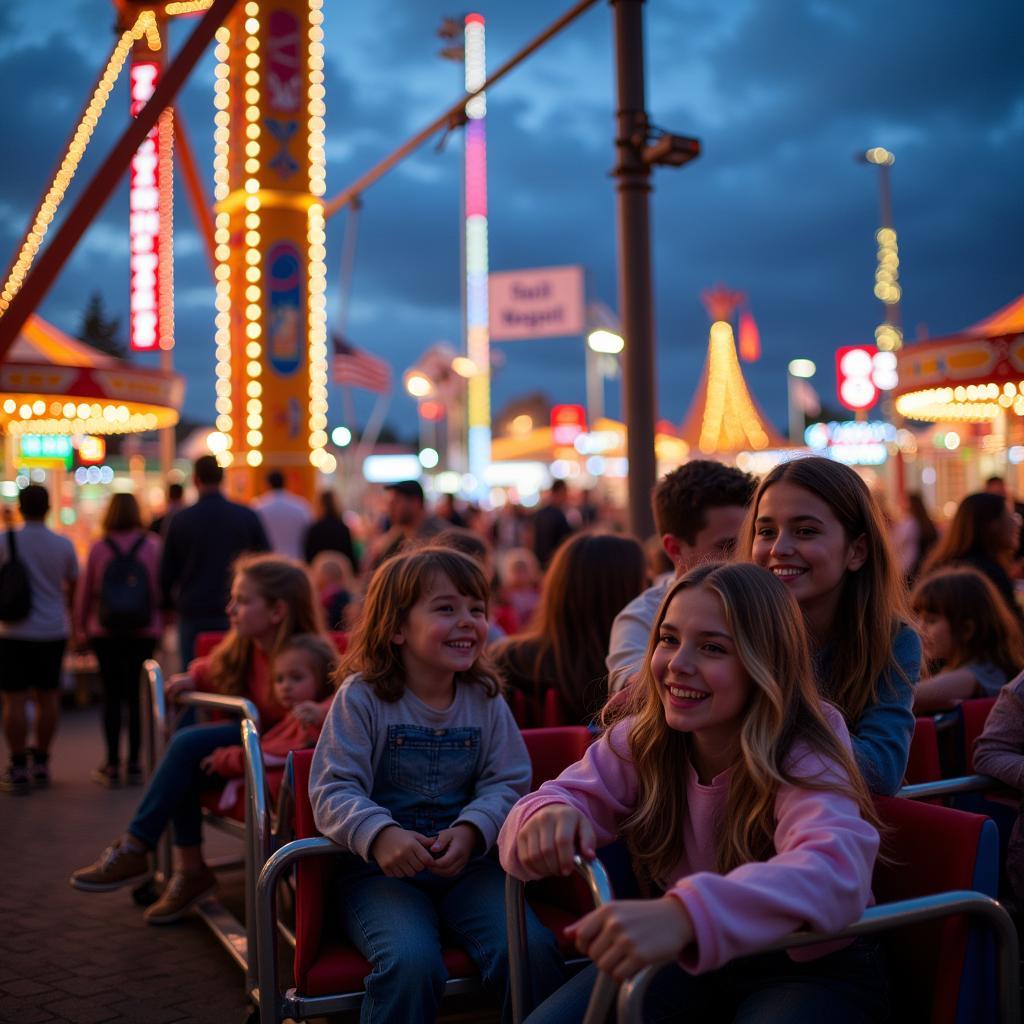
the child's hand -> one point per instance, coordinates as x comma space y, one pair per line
547, 842
453, 847
207, 764
626, 935
401, 853
310, 713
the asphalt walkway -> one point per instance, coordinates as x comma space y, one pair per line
83, 958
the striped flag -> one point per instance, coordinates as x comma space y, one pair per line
359, 369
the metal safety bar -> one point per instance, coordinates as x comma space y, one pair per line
256, 829
877, 919
950, 787
275, 1006
603, 995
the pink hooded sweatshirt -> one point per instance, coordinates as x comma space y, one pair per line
819, 877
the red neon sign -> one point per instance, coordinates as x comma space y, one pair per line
854, 376
567, 423
144, 220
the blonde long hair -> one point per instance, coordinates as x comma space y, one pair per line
784, 708
274, 579
395, 587
873, 604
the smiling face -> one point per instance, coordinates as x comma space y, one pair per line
703, 686
799, 539
443, 634
251, 616
294, 678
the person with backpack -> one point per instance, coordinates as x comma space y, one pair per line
33, 635
118, 612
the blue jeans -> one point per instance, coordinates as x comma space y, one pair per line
846, 987
400, 926
173, 794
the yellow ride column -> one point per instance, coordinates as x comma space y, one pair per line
271, 277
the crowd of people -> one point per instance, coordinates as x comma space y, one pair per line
751, 675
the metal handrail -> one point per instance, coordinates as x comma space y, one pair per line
267, 993
876, 919
257, 837
949, 787
603, 995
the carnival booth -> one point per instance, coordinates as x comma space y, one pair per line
969, 387
60, 398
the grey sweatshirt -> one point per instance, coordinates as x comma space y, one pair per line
350, 768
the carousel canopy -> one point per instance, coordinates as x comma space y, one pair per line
52, 384
970, 377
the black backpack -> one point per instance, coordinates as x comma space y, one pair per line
15, 592
125, 600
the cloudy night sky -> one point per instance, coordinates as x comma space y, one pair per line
782, 95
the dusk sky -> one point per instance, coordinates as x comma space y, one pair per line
781, 94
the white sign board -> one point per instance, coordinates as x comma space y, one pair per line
542, 303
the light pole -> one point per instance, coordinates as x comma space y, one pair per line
798, 370
601, 344
889, 333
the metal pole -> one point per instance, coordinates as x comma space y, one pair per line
796, 428
634, 259
454, 115
595, 387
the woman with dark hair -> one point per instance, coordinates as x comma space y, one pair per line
983, 534
117, 611
329, 532
591, 578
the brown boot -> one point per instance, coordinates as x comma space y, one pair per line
117, 866
183, 892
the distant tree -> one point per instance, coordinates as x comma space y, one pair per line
100, 331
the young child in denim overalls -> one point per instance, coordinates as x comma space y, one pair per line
416, 769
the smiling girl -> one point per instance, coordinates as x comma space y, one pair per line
815, 526
737, 796
417, 766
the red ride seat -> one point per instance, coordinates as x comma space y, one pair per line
325, 963
205, 642
928, 849
923, 764
975, 713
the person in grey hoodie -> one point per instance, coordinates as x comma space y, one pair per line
417, 767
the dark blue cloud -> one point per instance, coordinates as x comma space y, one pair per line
782, 95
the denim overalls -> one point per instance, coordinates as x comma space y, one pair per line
425, 777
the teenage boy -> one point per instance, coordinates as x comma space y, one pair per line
698, 509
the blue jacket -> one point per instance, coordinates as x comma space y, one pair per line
881, 737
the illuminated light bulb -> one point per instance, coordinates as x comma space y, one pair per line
254, 458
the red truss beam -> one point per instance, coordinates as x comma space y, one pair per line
105, 180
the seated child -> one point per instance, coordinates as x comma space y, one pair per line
418, 764
302, 672
972, 644
519, 575
335, 584
735, 789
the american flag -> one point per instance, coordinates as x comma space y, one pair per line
359, 369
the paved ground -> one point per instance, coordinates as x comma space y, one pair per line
85, 958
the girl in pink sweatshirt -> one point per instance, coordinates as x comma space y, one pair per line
738, 797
